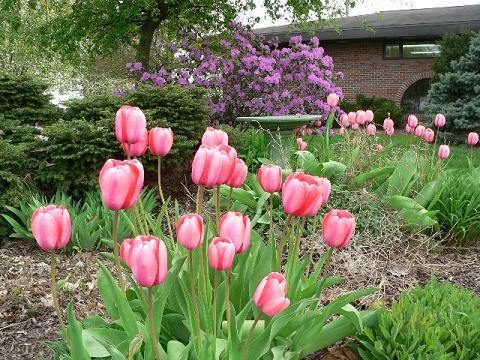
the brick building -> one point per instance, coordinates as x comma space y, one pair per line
388, 54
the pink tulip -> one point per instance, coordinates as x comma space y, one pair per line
369, 116
388, 123
221, 252
344, 120
332, 99
138, 148
270, 295
237, 227
389, 130
190, 231
302, 194
214, 137
51, 227
270, 177
130, 124
429, 135
472, 139
121, 183
338, 228
160, 141
146, 256
419, 130
229, 159
309, 132
440, 120
371, 129
443, 152
412, 121
379, 148
326, 189
360, 118
409, 129
239, 174
207, 166
301, 145
317, 123
342, 131
351, 117
355, 126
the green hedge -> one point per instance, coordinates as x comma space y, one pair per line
380, 107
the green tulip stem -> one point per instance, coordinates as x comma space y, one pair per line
217, 204
250, 335
215, 299
283, 240
194, 293
53, 270
327, 263
298, 238
167, 215
151, 321
200, 194
227, 300
229, 204
116, 251
270, 232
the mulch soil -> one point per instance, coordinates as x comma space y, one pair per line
27, 316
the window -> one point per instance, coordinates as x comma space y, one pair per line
411, 50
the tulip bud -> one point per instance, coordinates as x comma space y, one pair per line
388, 123
412, 121
239, 174
221, 252
440, 120
344, 120
121, 183
338, 228
160, 141
419, 130
472, 139
214, 137
443, 152
332, 99
237, 227
139, 148
302, 194
270, 295
360, 118
369, 115
146, 256
190, 231
213, 166
429, 135
351, 117
355, 126
371, 129
270, 178
51, 227
409, 129
229, 158
130, 124
389, 130
317, 123
342, 131
379, 148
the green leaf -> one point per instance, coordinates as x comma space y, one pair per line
373, 174
96, 348
74, 332
403, 173
333, 169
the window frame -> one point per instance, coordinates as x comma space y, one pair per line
401, 43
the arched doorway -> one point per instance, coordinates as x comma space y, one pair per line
414, 98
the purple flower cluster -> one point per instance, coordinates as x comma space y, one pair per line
250, 76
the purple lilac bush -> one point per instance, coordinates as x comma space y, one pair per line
249, 76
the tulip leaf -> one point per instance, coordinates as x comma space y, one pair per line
74, 333
376, 173
112, 336
427, 194
333, 169
176, 350
306, 161
114, 353
403, 174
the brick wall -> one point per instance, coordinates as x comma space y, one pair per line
366, 72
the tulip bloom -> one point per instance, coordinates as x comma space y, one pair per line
419, 130
211, 166
371, 129
443, 152
429, 135
302, 194
388, 123
221, 252
344, 120
160, 141
369, 115
239, 174
130, 124
270, 295
351, 117
139, 148
412, 121
332, 99
317, 123
51, 227
229, 159
146, 255
355, 126
121, 183
270, 177
472, 139
389, 130
190, 231
439, 120
360, 117
338, 228
342, 131
214, 137
237, 227
409, 129
379, 148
